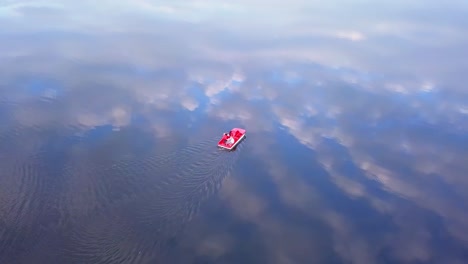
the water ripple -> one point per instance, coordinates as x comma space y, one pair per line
23, 198
97, 208
133, 209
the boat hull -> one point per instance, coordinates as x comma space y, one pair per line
238, 135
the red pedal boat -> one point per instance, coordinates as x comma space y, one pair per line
232, 139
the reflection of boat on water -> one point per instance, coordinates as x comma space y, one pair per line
232, 139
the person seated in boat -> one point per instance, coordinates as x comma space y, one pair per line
230, 140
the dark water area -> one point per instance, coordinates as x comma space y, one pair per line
356, 115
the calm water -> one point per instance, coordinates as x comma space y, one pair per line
357, 131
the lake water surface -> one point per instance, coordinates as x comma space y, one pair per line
357, 131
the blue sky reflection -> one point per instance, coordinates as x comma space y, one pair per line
357, 112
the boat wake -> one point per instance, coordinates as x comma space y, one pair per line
63, 201
130, 211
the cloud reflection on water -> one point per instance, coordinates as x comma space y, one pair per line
377, 97
385, 142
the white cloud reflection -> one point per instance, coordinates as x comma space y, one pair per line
384, 83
